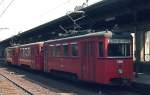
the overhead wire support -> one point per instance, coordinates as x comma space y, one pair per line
6, 8
77, 19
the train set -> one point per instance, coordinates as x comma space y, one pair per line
100, 57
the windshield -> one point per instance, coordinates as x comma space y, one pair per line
118, 49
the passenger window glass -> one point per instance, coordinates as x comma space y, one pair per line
74, 50
42, 49
8, 53
119, 49
66, 49
25, 52
58, 51
51, 50
101, 49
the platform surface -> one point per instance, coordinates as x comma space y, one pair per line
143, 79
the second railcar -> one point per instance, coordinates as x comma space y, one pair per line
31, 55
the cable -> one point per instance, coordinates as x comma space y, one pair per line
6, 8
56, 7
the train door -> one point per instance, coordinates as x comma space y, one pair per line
46, 50
88, 60
13, 56
33, 55
15, 53
36, 56
39, 59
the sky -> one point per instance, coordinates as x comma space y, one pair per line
21, 15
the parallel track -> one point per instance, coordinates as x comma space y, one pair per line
60, 85
26, 86
9, 87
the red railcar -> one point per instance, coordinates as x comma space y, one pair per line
11, 54
100, 57
31, 55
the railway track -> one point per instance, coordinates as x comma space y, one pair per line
24, 86
57, 86
9, 87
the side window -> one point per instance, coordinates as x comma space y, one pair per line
52, 50
42, 49
58, 50
28, 52
74, 48
25, 52
22, 52
101, 49
66, 50
8, 52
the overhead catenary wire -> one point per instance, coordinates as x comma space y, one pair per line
6, 8
58, 6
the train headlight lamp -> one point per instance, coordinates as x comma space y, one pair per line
120, 71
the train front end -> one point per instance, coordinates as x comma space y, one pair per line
116, 62
119, 61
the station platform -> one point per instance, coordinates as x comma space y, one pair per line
142, 82
143, 78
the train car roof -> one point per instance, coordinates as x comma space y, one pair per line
102, 33
26, 44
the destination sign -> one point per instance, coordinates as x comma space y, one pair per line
119, 41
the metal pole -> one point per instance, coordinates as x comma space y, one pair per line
138, 37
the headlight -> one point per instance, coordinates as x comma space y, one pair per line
120, 71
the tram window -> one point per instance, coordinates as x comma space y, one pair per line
8, 53
58, 51
101, 49
74, 50
119, 49
52, 51
42, 49
127, 49
21, 53
66, 50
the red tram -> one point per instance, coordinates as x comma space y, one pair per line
30, 55
100, 57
